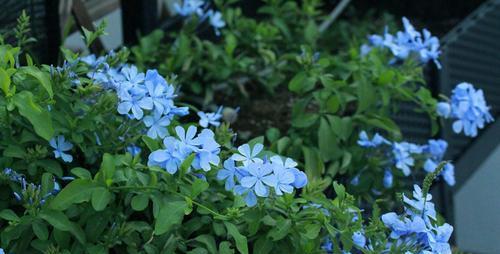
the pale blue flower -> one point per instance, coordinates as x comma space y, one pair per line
60, 146
359, 239
443, 109
249, 195
169, 158
187, 138
133, 150
208, 152
282, 181
376, 141
216, 21
403, 226
469, 109
300, 178
157, 125
246, 155
259, 176
228, 173
134, 104
212, 118
420, 205
388, 179
403, 158
189, 7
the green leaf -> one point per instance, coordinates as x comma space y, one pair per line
59, 220
152, 144
209, 241
326, 140
225, 248
38, 117
40, 230
262, 246
241, 240
301, 83
198, 186
77, 191
100, 198
312, 231
9, 215
140, 202
108, 168
4, 81
366, 96
170, 214
304, 120
282, 230
314, 166
186, 164
41, 76
81, 173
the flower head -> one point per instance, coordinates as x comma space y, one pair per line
60, 146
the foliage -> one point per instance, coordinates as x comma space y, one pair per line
100, 157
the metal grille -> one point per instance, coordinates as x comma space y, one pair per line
471, 53
42, 28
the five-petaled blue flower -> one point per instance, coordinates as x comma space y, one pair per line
60, 146
246, 155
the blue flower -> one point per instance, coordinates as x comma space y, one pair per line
359, 239
216, 21
169, 158
260, 175
136, 104
189, 7
327, 245
132, 76
388, 178
208, 152
157, 125
438, 239
376, 141
248, 156
13, 175
407, 43
60, 146
160, 92
468, 109
187, 138
250, 198
403, 227
282, 181
403, 158
420, 205
355, 180
443, 109
133, 150
300, 178
213, 118
228, 173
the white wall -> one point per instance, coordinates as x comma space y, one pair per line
110, 41
477, 209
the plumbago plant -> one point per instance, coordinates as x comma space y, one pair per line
98, 158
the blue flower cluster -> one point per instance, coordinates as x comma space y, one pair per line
467, 108
250, 176
197, 7
30, 192
147, 97
202, 145
404, 155
212, 118
418, 225
405, 43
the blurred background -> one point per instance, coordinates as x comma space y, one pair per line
469, 31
